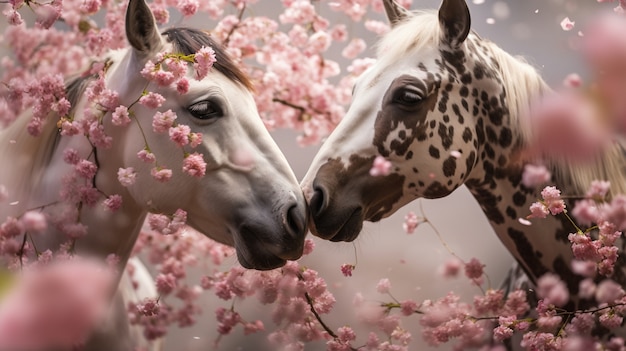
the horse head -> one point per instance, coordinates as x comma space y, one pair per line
248, 197
421, 106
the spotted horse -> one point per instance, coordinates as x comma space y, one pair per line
446, 108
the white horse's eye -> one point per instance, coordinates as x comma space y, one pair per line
205, 110
407, 97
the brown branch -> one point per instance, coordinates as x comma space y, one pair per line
234, 28
326, 328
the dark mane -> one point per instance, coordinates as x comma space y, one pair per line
188, 41
74, 89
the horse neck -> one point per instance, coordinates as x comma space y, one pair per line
42, 158
496, 184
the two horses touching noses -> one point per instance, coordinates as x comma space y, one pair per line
224, 172
441, 104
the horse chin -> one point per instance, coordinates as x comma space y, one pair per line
266, 263
343, 225
264, 244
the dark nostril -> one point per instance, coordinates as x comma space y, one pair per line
319, 202
296, 221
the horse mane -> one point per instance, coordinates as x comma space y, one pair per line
523, 86
29, 156
188, 41
411, 33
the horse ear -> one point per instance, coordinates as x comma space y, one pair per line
455, 20
395, 12
141, 30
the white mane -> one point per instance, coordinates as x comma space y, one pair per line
29, 156
421, 29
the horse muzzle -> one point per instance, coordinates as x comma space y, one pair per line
333, 220
265, 241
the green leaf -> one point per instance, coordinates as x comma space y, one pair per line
6, 282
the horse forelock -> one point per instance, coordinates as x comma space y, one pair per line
420, 29
188, 41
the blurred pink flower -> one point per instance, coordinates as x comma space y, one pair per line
566, 126
411, 221
567, 24
535, 175
380, 167
604, 46
553, 289
474, 269
55, 305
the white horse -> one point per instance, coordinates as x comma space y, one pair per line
249, 197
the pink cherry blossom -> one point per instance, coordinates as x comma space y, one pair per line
14, 18
47, 14
113, 202
608, 291
451, 268
204, 59
572, 80
615, 211
552, 200
538, 210
564, 125
411, 221
161, 174
152, 100
163, 121
383, 286
474, 269
553, 289
354, 48
380, 167
182, 86
194, 165
120, 117
567, 24
126, 176
180, 134
346, 269
34, 222
188, 7
146, 156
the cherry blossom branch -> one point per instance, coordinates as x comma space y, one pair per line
319, 319
234, 28
292, 105
446, 246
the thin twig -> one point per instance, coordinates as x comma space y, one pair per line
326, 328
232, 30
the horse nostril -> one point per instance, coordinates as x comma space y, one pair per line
319, 202
296, 221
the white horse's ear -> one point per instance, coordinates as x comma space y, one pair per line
395, 12
141, 29
455, 20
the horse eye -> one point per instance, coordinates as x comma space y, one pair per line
205, 110
407, 97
